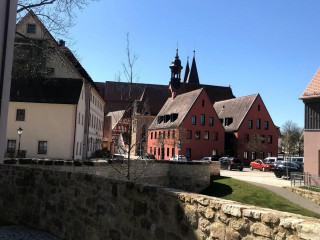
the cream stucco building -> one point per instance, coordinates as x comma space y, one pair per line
53, 99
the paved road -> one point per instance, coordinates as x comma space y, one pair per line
269, 181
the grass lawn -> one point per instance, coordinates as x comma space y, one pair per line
236, 190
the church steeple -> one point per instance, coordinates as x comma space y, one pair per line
186, 72
193, 73
175, 71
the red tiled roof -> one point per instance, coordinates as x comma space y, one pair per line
313, 89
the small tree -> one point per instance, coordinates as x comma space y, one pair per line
292, 139
256, 144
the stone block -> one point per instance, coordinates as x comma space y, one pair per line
261, 230
233, 209
191, 216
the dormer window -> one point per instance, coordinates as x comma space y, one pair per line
166, 118
160, 119
228, 121
31, 28
173, 117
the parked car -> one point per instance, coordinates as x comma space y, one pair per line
297, 160
149, 156
273, 160
262, 165
284, 168
179, 158
231, 163
210, 159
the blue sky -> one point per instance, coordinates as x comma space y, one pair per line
267, 47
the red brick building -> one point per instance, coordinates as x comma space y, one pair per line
188, 119
250, 131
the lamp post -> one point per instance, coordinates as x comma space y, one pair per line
19, 130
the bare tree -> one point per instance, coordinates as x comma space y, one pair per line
292, 139
58, 15
256, 144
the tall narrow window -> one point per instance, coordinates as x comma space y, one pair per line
259, 107
202, 103
245, 155
246, 137
168, 152
193, 120
250, 124
254, 156
42, 147
173, 134
151, 150
210, 121
266, 125
202, 119
197, 135
155, 135
21, 114
215, 136
168, 134
172, 151
154, 151
262, 138
189, 134
269, 139
206, 135
188, 152
11, 147
258, 123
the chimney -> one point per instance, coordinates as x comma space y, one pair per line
173, 94
62, 43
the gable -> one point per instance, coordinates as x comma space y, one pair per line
313, 88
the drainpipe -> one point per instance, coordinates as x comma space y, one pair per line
75, 131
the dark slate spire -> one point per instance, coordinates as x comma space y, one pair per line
186, 73
193, 74
175, 71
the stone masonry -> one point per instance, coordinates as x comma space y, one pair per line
75, 205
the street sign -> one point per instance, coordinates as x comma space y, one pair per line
179, 147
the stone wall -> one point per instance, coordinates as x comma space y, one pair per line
190, 176
310, 195
74, 205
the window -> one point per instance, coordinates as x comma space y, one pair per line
193, 120
250, 124
202, 119
245, 155
164, 134
206, 135
215, 136
77, 148
21, 114
188, 152
151, 136
228, 121
254, 156
168, 152
42, 147
210, 121
173, 134
82, 120
269, 138
262, 155
158, 151
11, 147
197, 135
155, 135
150, 150
266, 125
49, 71
202, 103
78, 118
169, 134
259, 107
154, 151
172, 151
214, 152
262, 138
189, 134
80, 149
31, 28
246, 137
258, 123
269, 154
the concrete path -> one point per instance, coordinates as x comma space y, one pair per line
15, 232
268, 180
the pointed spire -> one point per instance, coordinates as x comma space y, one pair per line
193, 73
186, 73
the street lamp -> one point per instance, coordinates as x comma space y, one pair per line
19, 130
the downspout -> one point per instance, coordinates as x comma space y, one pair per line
75, 130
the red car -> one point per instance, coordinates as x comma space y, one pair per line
263, 165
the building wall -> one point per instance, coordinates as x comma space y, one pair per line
7, 28
312, 152
84, 206
54, 123
254, 114
199, 148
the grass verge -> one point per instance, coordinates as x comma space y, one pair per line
236, 190
314, 189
